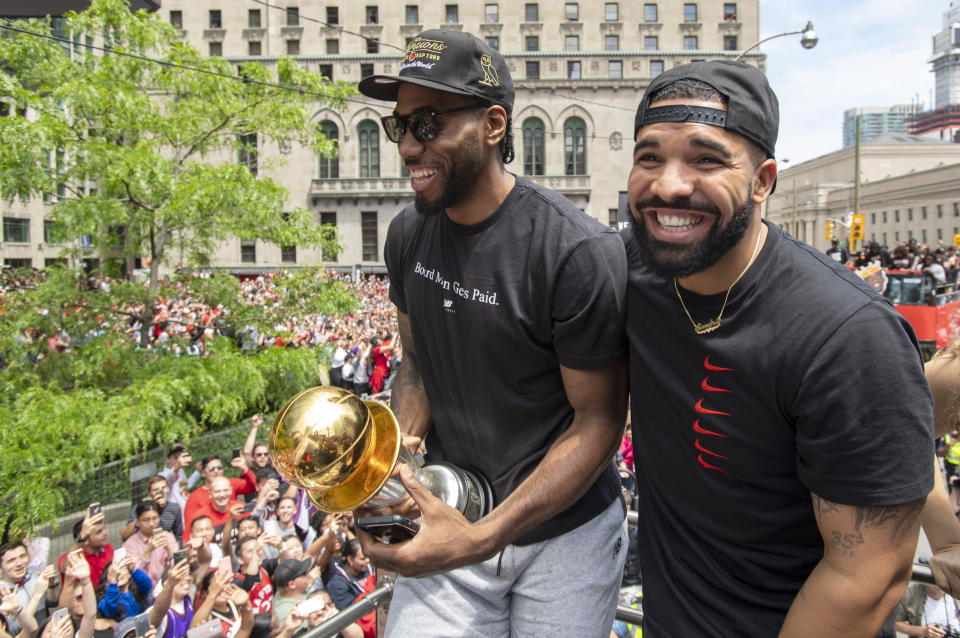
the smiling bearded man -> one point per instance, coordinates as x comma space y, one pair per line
509, 303
781, 421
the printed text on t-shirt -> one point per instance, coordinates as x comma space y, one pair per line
467, 292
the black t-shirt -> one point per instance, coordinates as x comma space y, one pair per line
495, 309
812, 383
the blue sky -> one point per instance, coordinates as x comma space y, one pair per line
871, 53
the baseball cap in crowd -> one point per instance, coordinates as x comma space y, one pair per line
752, 107
449, 61
288, 570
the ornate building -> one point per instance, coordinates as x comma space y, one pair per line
579, 69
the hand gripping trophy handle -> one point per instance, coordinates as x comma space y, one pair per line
343, 450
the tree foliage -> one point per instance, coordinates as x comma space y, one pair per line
142, 157
144, 160
105, 398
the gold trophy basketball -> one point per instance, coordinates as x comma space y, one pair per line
343, 449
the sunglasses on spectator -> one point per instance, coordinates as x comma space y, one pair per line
215, 468
422, 124
262, 454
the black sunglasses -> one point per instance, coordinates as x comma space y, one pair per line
422, 124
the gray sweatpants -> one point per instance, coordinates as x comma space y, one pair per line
565, 586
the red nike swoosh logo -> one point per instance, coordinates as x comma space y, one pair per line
710, 366
697, 445
706, 387
708, 465
702, 410
700, 430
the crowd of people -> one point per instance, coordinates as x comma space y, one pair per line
797, 507
183, 324
250, 552
246, 556
241, 557
942, 263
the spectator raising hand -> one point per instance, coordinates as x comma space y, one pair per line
240, 463
9, 605
47, 579
58, 629
291, 624
91, 524
77, 586
78, 568
175, 575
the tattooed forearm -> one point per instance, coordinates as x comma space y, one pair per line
409, 397
407, 387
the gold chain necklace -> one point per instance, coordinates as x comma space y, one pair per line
713, 324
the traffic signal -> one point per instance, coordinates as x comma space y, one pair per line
856, 227
956, 240
828, 231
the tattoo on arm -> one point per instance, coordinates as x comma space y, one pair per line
899, 520
407, 379
409, 399
822, 506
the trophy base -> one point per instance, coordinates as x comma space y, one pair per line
461, 489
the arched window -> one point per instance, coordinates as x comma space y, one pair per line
533, 152
575, 146
368, 134
329, 167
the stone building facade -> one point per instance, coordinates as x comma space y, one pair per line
908, 190
579, 69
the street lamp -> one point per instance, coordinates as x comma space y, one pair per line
808, 41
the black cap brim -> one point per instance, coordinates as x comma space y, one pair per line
386, 87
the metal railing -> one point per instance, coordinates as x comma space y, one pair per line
352, 614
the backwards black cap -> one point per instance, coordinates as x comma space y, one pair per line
752, 107
450, 61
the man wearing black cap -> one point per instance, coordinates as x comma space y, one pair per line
509, 302
290, 579
781, 420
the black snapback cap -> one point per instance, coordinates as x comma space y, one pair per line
752, 107
289, 570
450, 61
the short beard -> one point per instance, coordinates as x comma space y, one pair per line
669, 260
460, 177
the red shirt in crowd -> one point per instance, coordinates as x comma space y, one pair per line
97, 562
200, 497
219, 519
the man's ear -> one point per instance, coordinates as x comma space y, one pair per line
496, 120
764, 179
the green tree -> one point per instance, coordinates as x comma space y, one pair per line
158, 162
152, 160
67, 411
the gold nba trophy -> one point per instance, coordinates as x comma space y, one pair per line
342, 450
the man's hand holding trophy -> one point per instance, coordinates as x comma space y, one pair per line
347, 453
